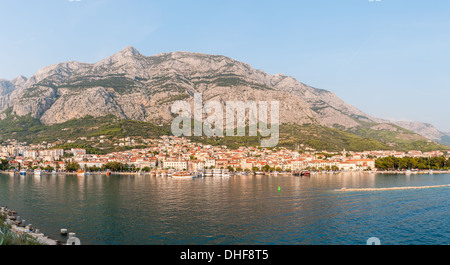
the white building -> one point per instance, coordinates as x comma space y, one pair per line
175, 164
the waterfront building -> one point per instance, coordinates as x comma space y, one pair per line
174, 164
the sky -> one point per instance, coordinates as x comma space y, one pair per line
388, 58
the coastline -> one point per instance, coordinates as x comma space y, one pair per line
407, 172
19, 229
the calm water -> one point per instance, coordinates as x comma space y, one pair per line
130, 209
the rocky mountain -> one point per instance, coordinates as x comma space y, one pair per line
132, 86
427, 130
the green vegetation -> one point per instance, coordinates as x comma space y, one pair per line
119, 83
30, 130
72, 166
396, 138
394, 163
8, 237
324, 138
4, 164
174, 98
21, 128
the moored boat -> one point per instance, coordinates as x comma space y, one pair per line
217, 172
182, 175
81, 173
225, 173
208, 173
305, 173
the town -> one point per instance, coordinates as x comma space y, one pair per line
181, 154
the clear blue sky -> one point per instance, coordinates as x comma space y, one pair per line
389, 58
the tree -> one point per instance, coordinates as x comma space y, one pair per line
114, 166
72, 166
4, 165
266, 168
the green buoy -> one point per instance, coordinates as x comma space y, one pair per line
279, 189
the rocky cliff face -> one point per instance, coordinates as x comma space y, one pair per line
427, 130
133, 86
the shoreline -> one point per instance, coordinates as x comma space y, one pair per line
20, 229
404, 172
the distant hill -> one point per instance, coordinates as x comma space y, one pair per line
427, 130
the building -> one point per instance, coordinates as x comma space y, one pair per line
174, 164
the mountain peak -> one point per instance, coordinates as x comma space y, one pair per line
129, 51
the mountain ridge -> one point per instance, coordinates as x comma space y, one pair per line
133, 86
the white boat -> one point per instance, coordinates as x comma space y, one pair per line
217, 172
225, 173
208, 173
54, 172
38, 172
23, 172
81, 173
198, 175
182, 175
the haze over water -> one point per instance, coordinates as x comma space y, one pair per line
133, 209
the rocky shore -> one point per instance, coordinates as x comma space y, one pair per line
19, 227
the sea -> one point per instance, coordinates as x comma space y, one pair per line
236, 210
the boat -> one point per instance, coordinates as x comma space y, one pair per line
208, 173
198, 175
217, 172
260, 173
54, 172
182, 175
108, 173
23, 172
225, 173
81, 173
38, 172
305, 173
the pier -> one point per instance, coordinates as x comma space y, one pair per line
391, 188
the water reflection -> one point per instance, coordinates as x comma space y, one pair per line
136, 209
